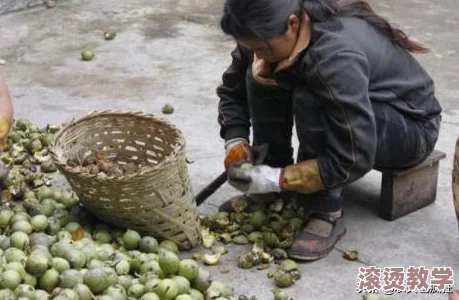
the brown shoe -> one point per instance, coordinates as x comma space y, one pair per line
251, 200
314, 243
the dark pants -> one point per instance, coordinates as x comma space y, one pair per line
402, 142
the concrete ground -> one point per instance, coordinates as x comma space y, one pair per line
173, 51
7, 6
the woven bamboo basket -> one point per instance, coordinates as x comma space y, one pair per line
157, 199
456, 179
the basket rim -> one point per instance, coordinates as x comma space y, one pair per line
146, 170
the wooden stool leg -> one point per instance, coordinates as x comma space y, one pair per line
407, 191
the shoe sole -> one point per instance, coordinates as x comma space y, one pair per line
319, 255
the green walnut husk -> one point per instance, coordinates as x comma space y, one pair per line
280, 295
188, 268
168, 261
225, 238
247, 261
255, 236
288, 265
272, 229
351, 255
169, 245
258, 219
241, 240
167, 109
109, 35
239, 204
279, 254
87, 55
208, 239
167, 289
202, 281
48, 166
148, 244
271, 239
96, 280
131, 239
219, 249
211, 260
283, 279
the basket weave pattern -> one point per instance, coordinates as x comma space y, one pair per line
157, 200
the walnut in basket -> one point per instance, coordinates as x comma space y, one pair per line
101, 164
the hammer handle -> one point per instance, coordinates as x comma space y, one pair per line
211, 188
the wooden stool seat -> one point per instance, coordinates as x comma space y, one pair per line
405, 191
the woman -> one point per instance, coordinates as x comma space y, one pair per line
347, 80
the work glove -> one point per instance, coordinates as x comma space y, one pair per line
237, 150
4, 130
303, 177
251, 179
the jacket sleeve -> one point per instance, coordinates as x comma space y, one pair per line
233, 111
341, 82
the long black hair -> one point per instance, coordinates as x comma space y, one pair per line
269, 18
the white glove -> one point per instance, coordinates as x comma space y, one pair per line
259, 179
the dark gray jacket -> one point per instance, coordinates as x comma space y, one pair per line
348, 65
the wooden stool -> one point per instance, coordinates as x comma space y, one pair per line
405, 191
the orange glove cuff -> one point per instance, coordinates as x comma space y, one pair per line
303, 177
237, 153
